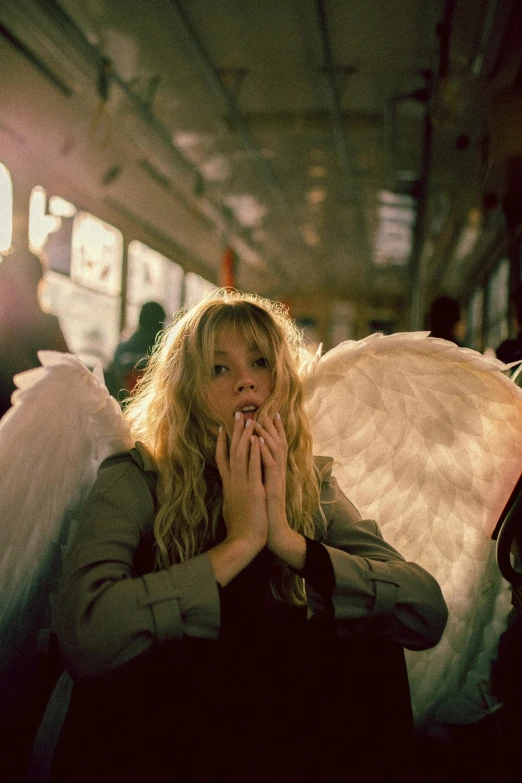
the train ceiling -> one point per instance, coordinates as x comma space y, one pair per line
293, 131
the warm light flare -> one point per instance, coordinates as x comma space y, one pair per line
60, 207
6, 209
96, 254
40, 224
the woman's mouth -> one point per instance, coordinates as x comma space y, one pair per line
249, 412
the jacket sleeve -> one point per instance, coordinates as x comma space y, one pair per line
106, 612
374, 585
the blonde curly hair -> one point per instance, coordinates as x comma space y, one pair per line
170, 415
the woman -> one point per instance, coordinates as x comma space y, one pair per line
225, 612
25, 328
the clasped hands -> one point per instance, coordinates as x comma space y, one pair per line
253, 472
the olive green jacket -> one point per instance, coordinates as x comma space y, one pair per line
108, 611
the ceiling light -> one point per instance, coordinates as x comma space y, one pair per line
393, 237
316, 195
246, 209
397, 199
217, 169
310, 236
187, 140
401, 214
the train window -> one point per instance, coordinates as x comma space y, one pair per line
151, 276
174, 275
474, 319
309, 327
96, 254
40, 223
196, 288
90, 320
6, 209
497, 305
343, 323
50, 229
59, 207
88, 303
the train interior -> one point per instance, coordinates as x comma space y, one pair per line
354, 160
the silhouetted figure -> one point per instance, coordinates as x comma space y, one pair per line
511, 349
25, 328
132, 355
444, 317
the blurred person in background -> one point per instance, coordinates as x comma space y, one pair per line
25, 328
132, 355
444, 319
511, 349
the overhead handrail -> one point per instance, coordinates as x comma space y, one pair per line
509, 524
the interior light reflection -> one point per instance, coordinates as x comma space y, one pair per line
6, 209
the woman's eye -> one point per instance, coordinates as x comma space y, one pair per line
218, 369
261, 362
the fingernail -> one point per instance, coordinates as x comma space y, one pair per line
278, 416
248, 423
252, 439
220, 428
237, 415
261, 440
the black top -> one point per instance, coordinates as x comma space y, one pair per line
278, 697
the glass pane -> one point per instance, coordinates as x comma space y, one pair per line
96, 254
58, 247
6, 209
41, 224
151, 277
145, 281
343, 323
174, 274
497, 305
196, 288
474, 319
498, 293
90, 321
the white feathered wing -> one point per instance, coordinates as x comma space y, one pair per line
427, 439
62, 424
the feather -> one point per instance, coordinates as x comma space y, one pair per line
61, 425
427, 440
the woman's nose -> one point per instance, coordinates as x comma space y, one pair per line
244, 381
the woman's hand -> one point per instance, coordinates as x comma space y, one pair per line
244, 501
284, 542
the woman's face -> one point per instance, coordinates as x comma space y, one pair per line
241, 378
